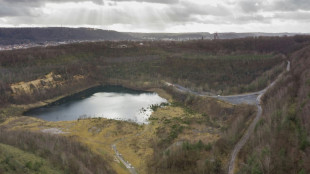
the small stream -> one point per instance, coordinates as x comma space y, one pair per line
112, 102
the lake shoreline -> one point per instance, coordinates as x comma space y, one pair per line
102, 101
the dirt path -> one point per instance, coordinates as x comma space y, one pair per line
249, 98
119, 156
250, 130
245, 137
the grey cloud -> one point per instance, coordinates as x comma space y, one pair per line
296, 16
9, 10
172, 13
23, 7
40, 2
291, 5
151, 1
254, 6
13, 8
250, 6
218, 10
188, 12
252, 19
273, 6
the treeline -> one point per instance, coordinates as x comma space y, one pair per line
285, 45
281, 143
10, 36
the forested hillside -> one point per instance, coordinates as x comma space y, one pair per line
10, 36
223, 67
192, 134
281, 141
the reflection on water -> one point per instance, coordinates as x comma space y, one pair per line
111, 102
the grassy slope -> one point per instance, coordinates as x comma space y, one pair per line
14, 160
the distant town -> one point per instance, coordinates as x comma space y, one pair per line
54, 43
44, 44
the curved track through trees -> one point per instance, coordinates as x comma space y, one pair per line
249, 98
250, 130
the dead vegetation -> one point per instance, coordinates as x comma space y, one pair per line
200, 143
64, 153
194, 134
281, 143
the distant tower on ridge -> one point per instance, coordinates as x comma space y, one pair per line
216, 36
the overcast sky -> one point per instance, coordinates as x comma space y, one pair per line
161, 15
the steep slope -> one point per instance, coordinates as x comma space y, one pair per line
280, 143
14, 160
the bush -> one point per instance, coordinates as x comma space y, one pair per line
196, 146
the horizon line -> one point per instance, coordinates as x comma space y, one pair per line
84, 27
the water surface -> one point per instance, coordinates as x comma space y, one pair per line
113, 102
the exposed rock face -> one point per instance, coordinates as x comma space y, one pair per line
48, 81
42, 85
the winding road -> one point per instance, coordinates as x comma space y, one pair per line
248, 98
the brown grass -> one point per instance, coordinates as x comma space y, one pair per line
65, 153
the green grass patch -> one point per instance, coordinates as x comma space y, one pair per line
14, 160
